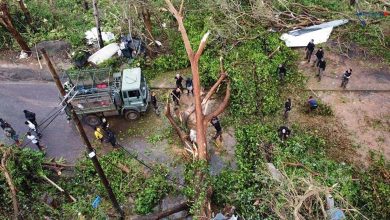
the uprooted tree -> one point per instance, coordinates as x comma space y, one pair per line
198, 150
6, 21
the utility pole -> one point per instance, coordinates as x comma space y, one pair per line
90, 150
97, 21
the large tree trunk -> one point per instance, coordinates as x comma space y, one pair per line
201, 119
6, 21
97, 21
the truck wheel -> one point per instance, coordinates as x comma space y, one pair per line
92, 120
132, 115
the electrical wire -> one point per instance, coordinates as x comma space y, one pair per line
134, 156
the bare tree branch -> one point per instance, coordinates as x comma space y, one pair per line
212, 90
221, 107
182, 30
202, 45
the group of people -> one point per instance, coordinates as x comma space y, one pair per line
104, 133
320, 63
32, 126
176, 93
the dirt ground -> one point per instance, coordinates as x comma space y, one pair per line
363, 108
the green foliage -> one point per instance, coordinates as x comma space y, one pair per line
156, 187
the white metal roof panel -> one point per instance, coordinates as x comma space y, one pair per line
131, 79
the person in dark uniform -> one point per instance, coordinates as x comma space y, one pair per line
176, 93
153, 100
287, 108
31, 117
309, 50
319, 56
189, 86
215, 122
282, 71
179, 81
284, 132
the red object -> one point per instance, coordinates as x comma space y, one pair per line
101, 86
386, 13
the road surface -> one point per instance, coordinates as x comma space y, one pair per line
60, 138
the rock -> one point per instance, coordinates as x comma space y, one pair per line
171, 201
53, 48
276, 174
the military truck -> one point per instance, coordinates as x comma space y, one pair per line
96, 92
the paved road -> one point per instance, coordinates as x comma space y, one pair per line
60, 138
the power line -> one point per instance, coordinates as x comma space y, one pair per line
134, 156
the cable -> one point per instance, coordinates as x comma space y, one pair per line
134, 156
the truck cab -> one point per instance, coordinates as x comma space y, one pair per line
134, 92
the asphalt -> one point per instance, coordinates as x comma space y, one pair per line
60, 138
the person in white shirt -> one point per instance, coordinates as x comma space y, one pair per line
35, 141
32, 127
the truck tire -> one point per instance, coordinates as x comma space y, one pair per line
92, 120
132, 115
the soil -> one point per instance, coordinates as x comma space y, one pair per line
363, 108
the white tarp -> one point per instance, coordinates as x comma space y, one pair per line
320, 34
92, 36
104, 54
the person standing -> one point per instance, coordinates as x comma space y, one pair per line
321, 68
104, 123
153, 100
309, 50
215, 122
282, 71
284, 132
319, 56
31, 117
179, 81
35, 141
111, 138
3, 123
345, 78
10, 133
312, 104
32, 127
189, 86
176, 93
287, 108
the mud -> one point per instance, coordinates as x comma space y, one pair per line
355, 110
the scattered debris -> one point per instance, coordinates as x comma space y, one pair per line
23, 55
319, 33
104, 54
92, 36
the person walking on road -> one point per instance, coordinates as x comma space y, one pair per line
319, 56
31, 117
32, 127
179, 81
9, 131
189, 86
287, 108
176, 93
35, 141
345, 78
217, 125
309, 50
321, 68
